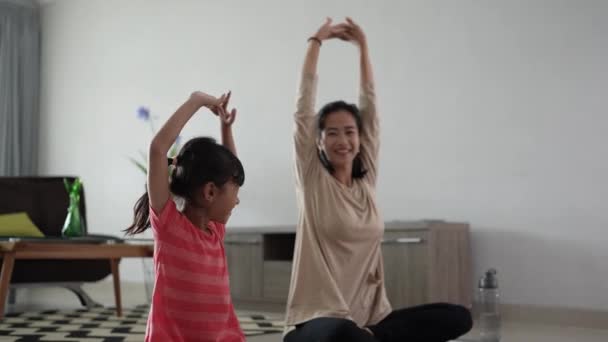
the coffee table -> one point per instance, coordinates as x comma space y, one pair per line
14, 249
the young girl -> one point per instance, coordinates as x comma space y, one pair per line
191, 299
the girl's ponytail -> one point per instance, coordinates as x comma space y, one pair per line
141, 217
141, 210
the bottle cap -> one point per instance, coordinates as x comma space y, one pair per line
489, 280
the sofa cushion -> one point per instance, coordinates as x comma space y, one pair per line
18, 224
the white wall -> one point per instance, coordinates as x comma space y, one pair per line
493, 112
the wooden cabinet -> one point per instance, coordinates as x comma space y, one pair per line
244, 257
405, 267
424, 262
277, 275
259, 265
427, 262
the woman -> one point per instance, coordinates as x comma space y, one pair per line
337, 283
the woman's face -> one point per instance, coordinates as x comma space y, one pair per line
340, 139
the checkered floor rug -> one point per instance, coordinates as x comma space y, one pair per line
102, 325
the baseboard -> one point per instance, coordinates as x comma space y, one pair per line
560, 316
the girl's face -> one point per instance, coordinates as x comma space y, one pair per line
340, 139
226, 199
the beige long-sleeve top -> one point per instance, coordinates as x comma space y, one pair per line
337, 267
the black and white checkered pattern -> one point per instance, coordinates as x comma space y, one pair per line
101, 325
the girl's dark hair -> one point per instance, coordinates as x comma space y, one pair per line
332, 107
200, 161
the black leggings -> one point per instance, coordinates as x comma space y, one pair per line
427, 323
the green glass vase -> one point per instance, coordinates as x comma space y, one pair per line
74, 224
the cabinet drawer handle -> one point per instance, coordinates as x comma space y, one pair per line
403, 241
242, 242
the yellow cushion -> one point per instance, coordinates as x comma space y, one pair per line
18, 224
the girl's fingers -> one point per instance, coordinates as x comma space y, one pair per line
225, 105
221, 100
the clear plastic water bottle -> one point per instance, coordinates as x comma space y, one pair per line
489, 314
